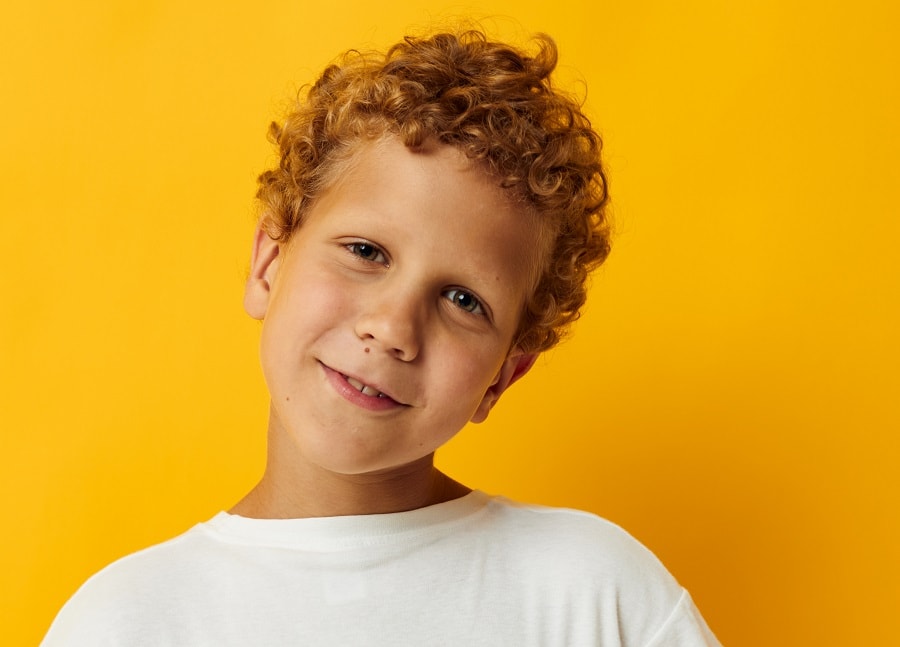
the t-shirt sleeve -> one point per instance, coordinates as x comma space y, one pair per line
684, 627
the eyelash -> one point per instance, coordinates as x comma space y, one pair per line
472, 303
454, 294
357, 250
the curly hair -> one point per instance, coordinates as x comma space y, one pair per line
493, 102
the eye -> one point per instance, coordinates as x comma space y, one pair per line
367, 252
464, 300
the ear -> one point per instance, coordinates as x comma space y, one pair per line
514, 366
264, 261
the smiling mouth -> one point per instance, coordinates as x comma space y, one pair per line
365, 389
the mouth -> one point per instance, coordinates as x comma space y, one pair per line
367, 396
365, 389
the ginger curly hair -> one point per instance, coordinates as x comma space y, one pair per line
493, 102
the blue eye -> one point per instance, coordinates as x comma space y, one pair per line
464, 300
367, 252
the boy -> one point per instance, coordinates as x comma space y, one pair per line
427, 233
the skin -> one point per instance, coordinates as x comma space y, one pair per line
406, 280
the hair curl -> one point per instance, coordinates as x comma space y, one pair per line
495, 103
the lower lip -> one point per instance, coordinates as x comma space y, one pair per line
345, 389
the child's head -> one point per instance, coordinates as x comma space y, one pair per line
494, 103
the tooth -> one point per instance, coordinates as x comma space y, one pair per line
365, 389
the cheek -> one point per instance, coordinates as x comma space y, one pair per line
300, 316
311, 298
469, 374
310, 280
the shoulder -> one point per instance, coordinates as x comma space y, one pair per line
580, 539
591, 565
602, 575
152, 578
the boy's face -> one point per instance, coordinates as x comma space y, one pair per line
388, 317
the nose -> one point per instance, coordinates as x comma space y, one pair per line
393, 325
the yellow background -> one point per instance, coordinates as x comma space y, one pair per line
730, 397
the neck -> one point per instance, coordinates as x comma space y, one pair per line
296, 485
315, 493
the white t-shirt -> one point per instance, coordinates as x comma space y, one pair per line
478, 570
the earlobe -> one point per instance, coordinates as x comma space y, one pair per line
263, 266
514, 367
